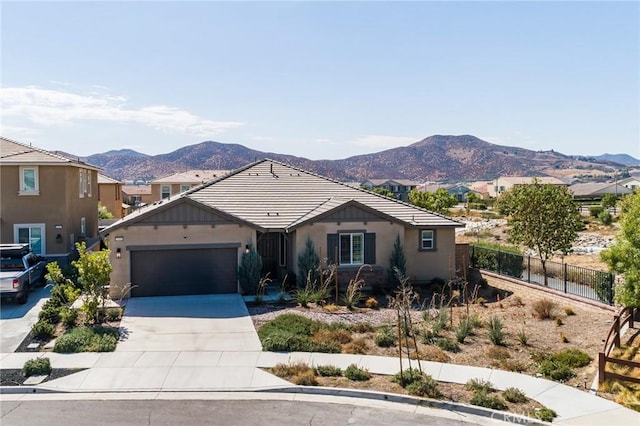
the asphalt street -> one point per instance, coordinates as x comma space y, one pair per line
209, 412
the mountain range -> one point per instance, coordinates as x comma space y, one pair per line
435, 158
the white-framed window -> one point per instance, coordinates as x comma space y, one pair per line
351, 249
88, 183
427, 239
165, 191
29, 181
31, 233
184, 188
81, 183
83, 226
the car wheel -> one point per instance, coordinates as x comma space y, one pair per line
23, 297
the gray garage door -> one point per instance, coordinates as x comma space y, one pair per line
183, 272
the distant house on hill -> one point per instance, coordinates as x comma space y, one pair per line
504, 184
399, 187
595, 191
176, 183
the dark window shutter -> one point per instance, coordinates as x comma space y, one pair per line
370, 248
332, 246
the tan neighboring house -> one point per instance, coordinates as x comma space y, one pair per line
176, 183
632, 182
47, 200
504, 184
192, 243
595, 190
110, 196
136, 196
400, 187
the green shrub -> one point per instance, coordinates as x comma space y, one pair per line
308, 263
87, 339
328, 371
406, 377
50, 315
555, 371
514, 395
68, 316
291, 323
113, 314
353, 372
306, 378
479, 385
483, 399
463, 330
283, 341
605, 217
447, 344
496, 331
424, 386
574, 358
385, 337
523, 338
36, 367
42, 330
545, 414
594, 211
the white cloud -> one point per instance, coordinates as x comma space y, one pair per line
48, 107
382, 141
18, 132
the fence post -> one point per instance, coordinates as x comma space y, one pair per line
601, 366
616, 327
564, 273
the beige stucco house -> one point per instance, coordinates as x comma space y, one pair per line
505, 183
110, 196
192, 243
47, 200
176, 183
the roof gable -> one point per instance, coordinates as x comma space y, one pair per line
17, 153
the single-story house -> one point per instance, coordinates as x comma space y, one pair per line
167, 186
632, 182
505, 183
595, 190
193, 242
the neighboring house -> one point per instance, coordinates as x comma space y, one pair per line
399, 187
595, 191
193, 243
47, 200
632, 182
176, 183
136, 196
110, 196
504, 184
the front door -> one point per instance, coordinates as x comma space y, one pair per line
32, 234
268, 249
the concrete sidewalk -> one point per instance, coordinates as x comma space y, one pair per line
241, 371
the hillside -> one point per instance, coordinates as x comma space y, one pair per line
443, 158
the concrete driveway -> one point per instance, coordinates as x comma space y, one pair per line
188, 323
16, 320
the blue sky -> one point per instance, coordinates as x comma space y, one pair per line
320, 79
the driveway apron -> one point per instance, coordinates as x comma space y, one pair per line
187, 323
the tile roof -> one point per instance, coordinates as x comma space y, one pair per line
524, 180
136, 189
106, 179
596, 188
192, 176
16, 153
273, 195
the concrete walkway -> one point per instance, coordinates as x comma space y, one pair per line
241, 371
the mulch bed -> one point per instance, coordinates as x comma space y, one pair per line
14, 377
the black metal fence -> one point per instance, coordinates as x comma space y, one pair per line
584, 282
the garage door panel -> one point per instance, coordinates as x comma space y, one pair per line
183, 272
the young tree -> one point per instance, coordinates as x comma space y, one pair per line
624, 256
308, 263
438, 201
543, 218
397, 262
250, 270
383, 191
103, 213
94, 273
608, 201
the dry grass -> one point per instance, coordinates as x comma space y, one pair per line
625, 393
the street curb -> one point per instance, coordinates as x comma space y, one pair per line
411, 400
13, 390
